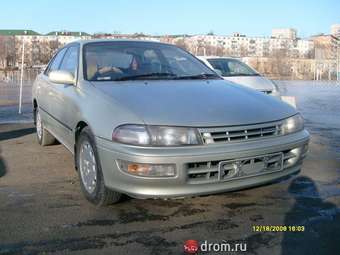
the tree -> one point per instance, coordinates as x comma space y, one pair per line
281, 63
181, 43
243, 51
7, 52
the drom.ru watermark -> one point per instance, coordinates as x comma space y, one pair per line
193, 246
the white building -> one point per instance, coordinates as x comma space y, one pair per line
335, 30
305, 47
64, 37
39, 48
241, 45
286, 33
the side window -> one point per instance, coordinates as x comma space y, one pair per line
70, 61
54, 65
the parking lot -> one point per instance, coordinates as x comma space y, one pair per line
42, 209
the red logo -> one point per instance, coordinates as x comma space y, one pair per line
191, 246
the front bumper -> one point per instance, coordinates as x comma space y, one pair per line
184, 157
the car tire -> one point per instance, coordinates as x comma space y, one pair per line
43, 136
90, 172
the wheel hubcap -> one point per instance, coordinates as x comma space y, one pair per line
88, 167
39, 126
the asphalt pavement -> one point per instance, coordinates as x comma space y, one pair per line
42, 209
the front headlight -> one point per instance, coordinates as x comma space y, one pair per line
156, 135
292, 124
131, 134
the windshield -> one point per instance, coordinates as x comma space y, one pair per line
122, 60
232, 67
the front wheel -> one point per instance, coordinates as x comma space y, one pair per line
44, 137
90, 172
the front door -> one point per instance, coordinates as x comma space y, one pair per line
64, 104
46, 93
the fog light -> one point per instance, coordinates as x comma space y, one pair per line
148, 170
296, 156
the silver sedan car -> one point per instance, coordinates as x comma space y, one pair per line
150, 120
235, 70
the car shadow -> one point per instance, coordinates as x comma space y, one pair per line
320, 219
2, 166
7, 135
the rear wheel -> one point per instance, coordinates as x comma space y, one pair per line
90, 172
44, 137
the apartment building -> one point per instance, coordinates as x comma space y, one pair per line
326, 46
239, 45
64, 37
38, 47
335, 30
282, 44
284, 33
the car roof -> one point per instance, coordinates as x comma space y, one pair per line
83, 42
216, 57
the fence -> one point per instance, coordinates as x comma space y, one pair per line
13, 76
10, 86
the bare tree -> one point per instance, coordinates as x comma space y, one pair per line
243, 51
281, 63
219, 51
7, 52
182, 44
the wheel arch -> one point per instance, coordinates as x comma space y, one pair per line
35, 106
79, 127
35, 103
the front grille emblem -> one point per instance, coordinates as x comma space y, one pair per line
228, 172
237, 166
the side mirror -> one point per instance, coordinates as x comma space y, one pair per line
61, 77
218, 71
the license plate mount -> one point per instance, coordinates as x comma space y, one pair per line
250, 166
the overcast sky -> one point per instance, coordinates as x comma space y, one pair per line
253, 18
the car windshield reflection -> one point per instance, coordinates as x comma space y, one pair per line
121, 61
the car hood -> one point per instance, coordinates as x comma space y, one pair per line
199, 103
254, 82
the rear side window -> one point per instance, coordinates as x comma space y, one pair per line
70, 60
54, 65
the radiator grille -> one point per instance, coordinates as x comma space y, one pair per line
241, 133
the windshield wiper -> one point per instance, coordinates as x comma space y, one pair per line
241, 74
202, 76
147, 75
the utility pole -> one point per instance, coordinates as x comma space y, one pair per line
22, 74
